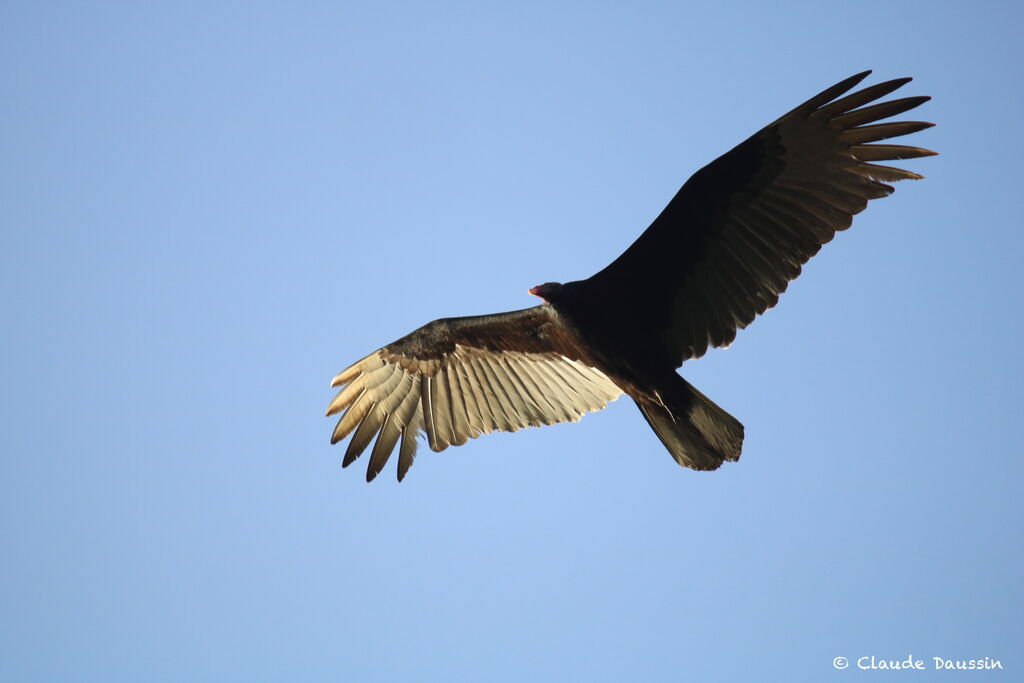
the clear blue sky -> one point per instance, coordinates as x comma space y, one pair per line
208, 211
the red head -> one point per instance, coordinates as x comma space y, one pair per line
546, 290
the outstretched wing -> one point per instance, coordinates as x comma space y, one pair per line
457, 378
740, 229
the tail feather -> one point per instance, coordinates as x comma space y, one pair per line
696, 432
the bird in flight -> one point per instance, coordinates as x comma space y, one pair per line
719, 254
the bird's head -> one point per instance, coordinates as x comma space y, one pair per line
546, 291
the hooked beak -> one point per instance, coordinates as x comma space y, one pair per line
534, 290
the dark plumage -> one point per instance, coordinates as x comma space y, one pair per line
720, 253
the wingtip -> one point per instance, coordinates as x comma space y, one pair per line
403, 468
351, 372
857, 78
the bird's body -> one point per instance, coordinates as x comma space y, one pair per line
719, 254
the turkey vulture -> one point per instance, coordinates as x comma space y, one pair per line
720, 253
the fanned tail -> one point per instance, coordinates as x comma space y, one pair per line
696, 432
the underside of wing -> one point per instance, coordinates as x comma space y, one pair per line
741, 228
453, 380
